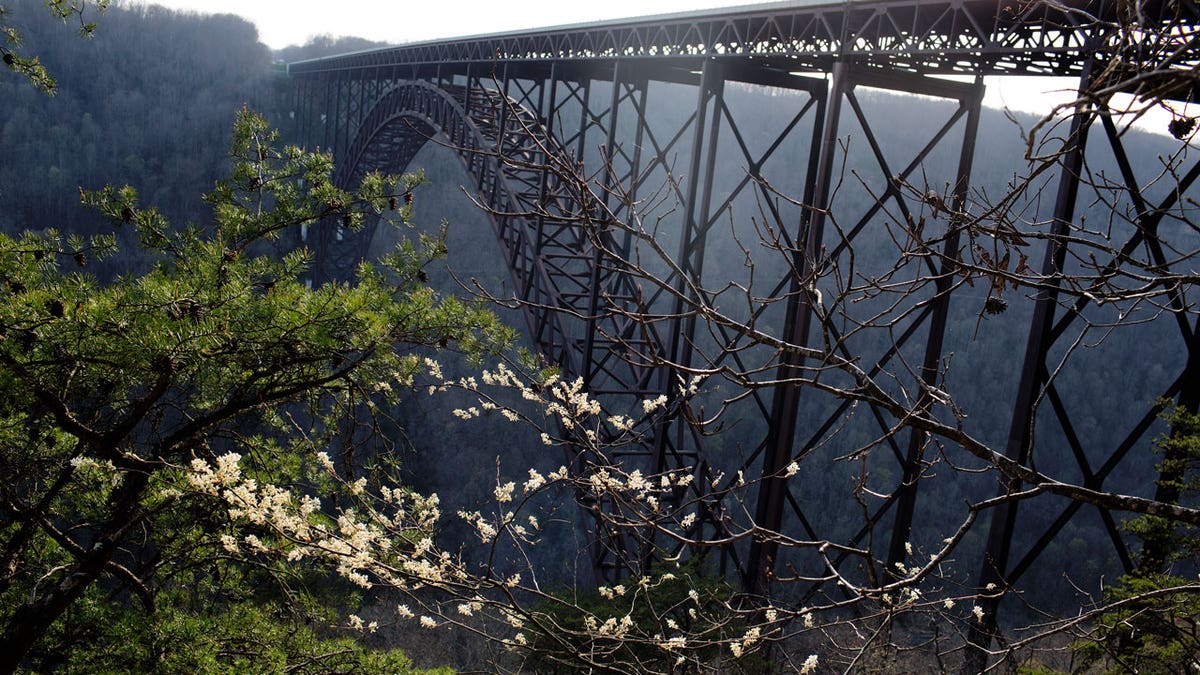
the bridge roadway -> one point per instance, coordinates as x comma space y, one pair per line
966, 37
547, 122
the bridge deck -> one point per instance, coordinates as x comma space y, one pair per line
939, 36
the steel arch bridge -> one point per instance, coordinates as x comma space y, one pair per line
528, 110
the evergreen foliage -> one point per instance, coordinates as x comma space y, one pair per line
108, 390
1153, 625
146, 101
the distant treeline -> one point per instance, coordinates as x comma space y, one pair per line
148, 101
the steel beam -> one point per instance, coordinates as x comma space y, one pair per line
1020, 438
921, 36
760, 561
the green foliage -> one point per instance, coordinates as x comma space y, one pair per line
1164, 541
184, 635
30, 67
1154, 625
670, 601
110, 389
1152, 629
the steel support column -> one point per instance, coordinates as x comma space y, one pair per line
689, 262
778, 449
991, 582
917, 440
781, 430
594, 298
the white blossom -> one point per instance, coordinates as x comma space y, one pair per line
676, 642
651, 404
435, 369
323, 458
504, 493
536, 480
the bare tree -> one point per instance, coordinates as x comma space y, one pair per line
1079, 244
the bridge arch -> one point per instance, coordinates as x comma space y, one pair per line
399, 124
505, 151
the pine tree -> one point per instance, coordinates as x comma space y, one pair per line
109, 391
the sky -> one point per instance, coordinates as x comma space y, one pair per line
284, 22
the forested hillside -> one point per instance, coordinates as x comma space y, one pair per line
147, 101
142, 102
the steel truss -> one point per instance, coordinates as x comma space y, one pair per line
530, 113
945, 36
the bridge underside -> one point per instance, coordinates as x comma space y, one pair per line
593, 166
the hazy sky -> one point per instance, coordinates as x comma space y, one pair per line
284, 22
